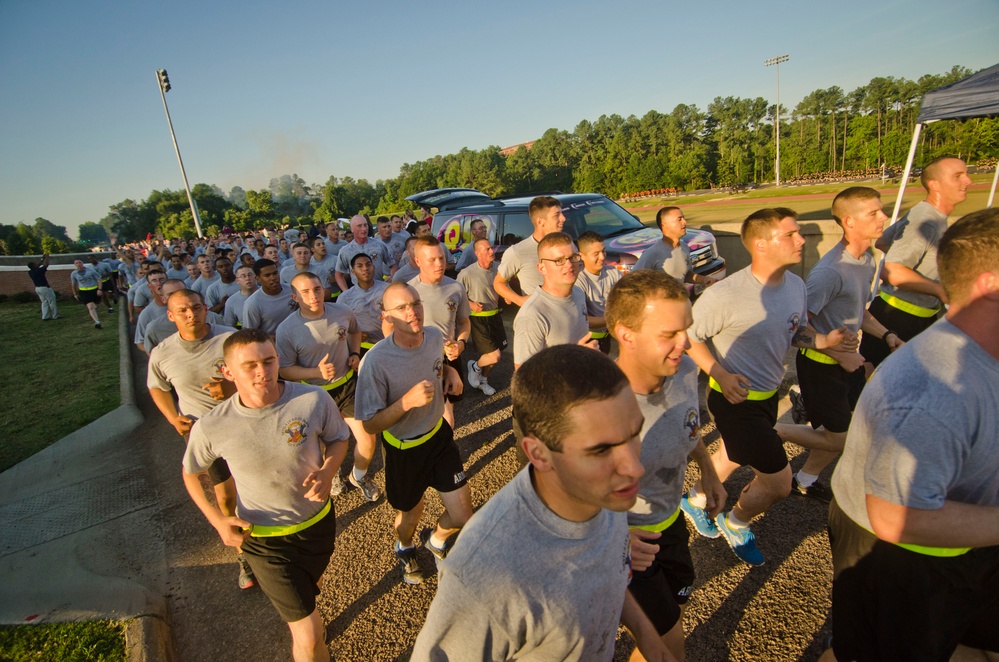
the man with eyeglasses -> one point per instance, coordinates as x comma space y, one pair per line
400, 394
555, 313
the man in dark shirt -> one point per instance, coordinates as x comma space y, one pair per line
37, 274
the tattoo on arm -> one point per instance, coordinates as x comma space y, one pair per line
803, 338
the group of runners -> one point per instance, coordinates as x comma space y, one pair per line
589, 534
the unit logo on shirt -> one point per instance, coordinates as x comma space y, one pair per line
341, 333
792, 322
692, 423
217, 366
439, 367
296, 431
452, 305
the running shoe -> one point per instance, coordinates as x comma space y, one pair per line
411, 573
110, 309
367, 486
439, 552
485, 387
474, 374
97, 325
337, 486
699, 518
817, 490
742, 541
798, 412
246, 578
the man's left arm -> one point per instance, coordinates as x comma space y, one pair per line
956, 524
807, 337
649, 644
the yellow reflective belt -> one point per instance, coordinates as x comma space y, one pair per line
334, 295
753, 395
259, 531
941, 552
88, 289
367, 345
485, 313
661, 526
907, 307
599, 334
340, 382
410, 443
818, 357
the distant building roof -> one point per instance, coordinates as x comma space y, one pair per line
507, 151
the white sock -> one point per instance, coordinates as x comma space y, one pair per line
697, 499
735, 522
805, 480
403, 548
359, 475
437, 542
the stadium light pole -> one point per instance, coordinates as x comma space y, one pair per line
775, 62
164, 83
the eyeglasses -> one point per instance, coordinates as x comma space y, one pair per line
406, 306
560, 262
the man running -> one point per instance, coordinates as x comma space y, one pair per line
542, 569
384, 266
45, 293
672, 254
596, 280
400, 394
319, 344
365, 300
323, 264
85, 282
468, 256
285, 442
207, 273
743, 329
156, 309
218, 292
302, 256
271, 304
487, 332
521, 259
914, 526
648, 313
234, 305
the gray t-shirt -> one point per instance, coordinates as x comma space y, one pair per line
405, 273
186, 366
140, 296
839, 289
749, 326
366, 305
926, 428
304, 342
149, 314
334, 249
521, 583
478, 284
660, 255
374, 249
547, 320
396, 247
162, 328
88, 279
669, 434
179, 274
325, 270
444, 304
596, 288
270, 451
388, 372
265, 311
233, 313
289, 272
218, 291
202, 284
916, 248
521, 260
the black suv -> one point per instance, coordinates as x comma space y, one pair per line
625, 237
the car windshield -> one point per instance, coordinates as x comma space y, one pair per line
599, 215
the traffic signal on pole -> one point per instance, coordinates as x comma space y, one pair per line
161, 74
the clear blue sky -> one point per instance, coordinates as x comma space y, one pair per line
352, 88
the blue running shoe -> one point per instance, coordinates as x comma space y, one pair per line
742, 541
705, 526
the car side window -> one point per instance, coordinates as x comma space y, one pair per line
516, 226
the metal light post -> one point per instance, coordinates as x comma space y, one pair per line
776, 61
164, 82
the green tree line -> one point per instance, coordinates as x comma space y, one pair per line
729, 142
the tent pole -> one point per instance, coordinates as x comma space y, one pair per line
992, 193
905, 175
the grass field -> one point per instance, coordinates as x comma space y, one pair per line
811, 202
102, 641
56, 376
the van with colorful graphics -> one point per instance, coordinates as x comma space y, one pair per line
625, 237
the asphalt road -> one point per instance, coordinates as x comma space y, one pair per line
775, 612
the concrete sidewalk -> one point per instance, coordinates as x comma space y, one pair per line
77, 539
